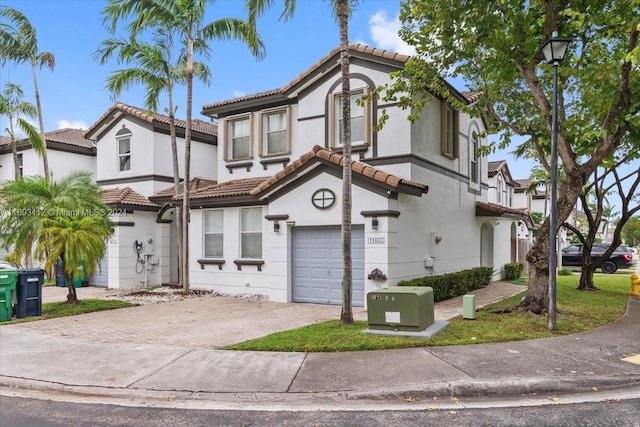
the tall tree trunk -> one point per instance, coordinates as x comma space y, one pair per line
586, 278
187, 166
346, 315
176, 178
537, 299
45, 158
14, 149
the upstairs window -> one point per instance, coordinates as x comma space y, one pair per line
361, 117
239, 138
449, 132
251, 233
473, 168
20, 164
124, 154
213, 233
275, 132
123, 136
500, 189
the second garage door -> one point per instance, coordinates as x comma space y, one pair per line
317, 265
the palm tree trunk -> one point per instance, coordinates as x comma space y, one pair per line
14, 152
176, 177
346, 315
45, 158
187, 166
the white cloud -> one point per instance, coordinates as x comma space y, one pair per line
238, 93
76, 124
384, 33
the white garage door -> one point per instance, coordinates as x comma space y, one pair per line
100, 276
317, 265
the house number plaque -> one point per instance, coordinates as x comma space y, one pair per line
376, 240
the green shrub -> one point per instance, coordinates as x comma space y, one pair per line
565, 272
513, 271
451, 285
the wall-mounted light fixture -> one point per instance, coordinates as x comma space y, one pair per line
291, 224
276, 226
438, 238
374, 223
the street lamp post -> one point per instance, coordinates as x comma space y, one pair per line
554, 50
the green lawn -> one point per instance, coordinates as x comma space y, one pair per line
61, 309
577, 311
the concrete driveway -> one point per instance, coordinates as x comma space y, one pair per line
206, 322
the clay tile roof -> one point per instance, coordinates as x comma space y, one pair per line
126, 196
70, 136
471, 97
494, 166
353, 47
233, 188
196, 184
63, 136
146, 115
329, 156
522, 183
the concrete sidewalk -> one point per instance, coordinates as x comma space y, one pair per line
168, 352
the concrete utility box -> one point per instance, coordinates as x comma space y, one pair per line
400, 308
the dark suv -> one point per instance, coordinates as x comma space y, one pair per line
620, 258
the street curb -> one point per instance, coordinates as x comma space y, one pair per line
505, 388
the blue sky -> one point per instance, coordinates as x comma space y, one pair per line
73, 95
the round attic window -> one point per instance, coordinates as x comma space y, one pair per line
323, 198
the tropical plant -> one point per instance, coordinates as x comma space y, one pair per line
78, 240
496, 49
631, 231
17, 110
64, 218
156, 69
341, 10
20, 44
185, 20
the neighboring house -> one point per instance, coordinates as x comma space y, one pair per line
134, 162
67, 150
271, 223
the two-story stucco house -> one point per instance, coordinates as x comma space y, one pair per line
134, 162
271, 223
67, 150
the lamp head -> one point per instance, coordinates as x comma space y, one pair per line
555, 48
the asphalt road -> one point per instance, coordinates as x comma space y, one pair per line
19, 412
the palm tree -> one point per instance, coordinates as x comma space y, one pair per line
31, 206
184, 19
341, 9
20, 44
79, 241
17, 110
155, 69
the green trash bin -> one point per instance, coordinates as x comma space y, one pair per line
8, 280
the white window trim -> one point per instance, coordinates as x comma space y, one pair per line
263, 151
259, 231
20, 165
205, 233
334, 118
121, 155
227, 137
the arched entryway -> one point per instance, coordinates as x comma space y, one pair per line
486, 245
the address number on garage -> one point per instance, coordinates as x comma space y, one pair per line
375, 240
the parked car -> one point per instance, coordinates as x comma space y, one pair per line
620, 258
